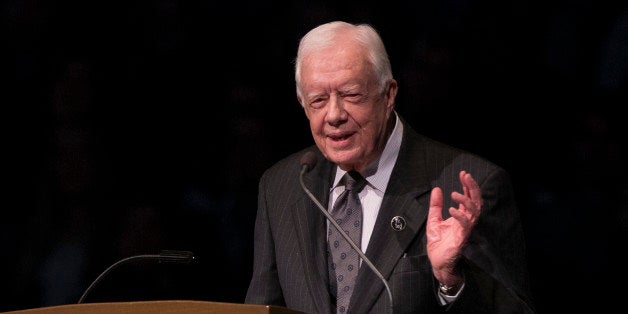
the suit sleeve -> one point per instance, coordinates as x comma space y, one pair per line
494, 258
264, 287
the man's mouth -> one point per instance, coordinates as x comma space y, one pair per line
340, 137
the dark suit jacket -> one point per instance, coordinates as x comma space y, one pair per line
290, 266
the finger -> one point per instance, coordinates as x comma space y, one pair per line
466, 205
465, 187
435, 213
471, 188
465, 221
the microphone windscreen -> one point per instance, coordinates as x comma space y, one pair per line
308, 159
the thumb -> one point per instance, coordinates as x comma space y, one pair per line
435, 213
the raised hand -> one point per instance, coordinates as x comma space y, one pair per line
446, 238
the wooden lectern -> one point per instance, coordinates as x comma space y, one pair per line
151, 307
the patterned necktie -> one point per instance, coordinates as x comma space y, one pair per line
344, 261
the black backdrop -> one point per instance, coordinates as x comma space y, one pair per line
137, 126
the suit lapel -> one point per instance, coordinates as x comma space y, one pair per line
311, 229
408, 182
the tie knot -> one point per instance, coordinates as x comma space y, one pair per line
354, 181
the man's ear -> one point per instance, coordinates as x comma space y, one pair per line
391, 93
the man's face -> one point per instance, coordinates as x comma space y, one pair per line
347, 110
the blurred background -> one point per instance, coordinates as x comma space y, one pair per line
139, 126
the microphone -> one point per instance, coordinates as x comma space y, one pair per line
166, 256
308, 161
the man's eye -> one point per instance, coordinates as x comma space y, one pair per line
354, 98
317, 103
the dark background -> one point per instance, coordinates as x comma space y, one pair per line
133, 127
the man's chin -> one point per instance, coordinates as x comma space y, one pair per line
344, 159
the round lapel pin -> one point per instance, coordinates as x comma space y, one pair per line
398, 223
